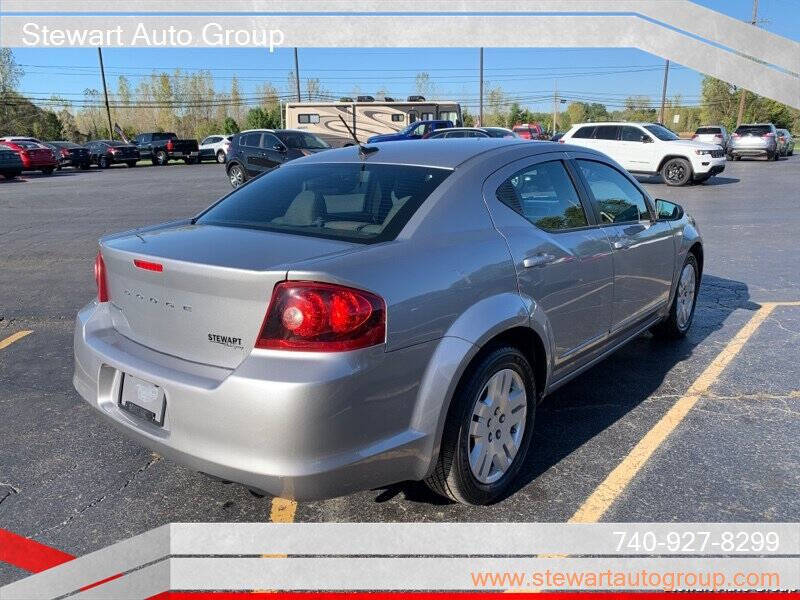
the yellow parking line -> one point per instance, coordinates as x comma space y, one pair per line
13, 338
610, 489
282, 510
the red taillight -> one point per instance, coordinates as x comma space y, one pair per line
770, 134
100, 278
736, 135
64, 152
148, 266
695, 136
113, 150
170, 146
322, 317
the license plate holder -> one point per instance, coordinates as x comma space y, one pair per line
143, 399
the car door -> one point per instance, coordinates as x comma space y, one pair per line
250, 145
644, 249
633, 152
273, 151
563, 260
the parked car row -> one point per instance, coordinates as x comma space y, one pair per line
159, 147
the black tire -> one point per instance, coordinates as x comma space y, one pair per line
11, 175
776, 156
191, 160
161, 158
676, 172
48, 171
729, 157
85, 166
131, 163
236, 175
674, 327
102, 162
221, 157
737, 157
453, 477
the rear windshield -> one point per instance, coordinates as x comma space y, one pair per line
65, 145
345, 201
702, 130
117, 144
301, 139
753, 129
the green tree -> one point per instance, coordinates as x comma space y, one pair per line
467, 118
259, 118
230, 126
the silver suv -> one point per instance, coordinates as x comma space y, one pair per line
758, 139
712, 134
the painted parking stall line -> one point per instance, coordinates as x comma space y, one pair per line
610, 489
5, 343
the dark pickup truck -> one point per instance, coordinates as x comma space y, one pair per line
162, 147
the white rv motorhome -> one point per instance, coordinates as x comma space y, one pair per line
366, 117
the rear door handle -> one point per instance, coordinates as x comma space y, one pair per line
538, 260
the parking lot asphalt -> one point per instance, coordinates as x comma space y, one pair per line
69, 480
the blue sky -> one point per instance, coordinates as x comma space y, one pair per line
606, 75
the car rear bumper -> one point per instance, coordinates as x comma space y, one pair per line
297, 425
761, 150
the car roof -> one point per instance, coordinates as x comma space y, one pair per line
447, 154
640, 123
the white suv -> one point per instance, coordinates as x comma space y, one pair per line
651, 149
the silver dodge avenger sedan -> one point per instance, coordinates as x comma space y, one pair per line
365, 316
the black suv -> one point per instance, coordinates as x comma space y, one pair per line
258, 150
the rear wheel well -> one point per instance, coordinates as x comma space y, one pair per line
528, 342
670, 157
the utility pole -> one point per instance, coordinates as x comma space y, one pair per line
105, 93
743, 97
480, 91
555, 105
664, 92
296, 75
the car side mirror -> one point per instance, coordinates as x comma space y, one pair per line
279, 147
668, 211
646, 139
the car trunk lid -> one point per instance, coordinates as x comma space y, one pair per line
200, 292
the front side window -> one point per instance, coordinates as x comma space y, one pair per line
662, 133
616, 198
356, 202
302, 139
269, 141
545, 195
630, 134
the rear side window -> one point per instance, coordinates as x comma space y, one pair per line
545, 195
583, 133
345, 201
617, 200
250, 140
606, 132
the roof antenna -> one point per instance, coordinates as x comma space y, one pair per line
363, 150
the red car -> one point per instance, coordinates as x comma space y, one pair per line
531, 131
34, 156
